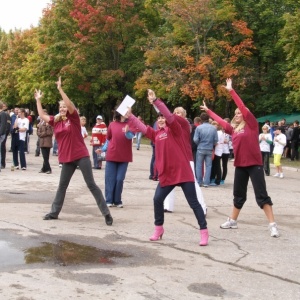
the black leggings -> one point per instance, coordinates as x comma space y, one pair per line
241, 178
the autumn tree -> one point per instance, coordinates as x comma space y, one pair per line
202, 43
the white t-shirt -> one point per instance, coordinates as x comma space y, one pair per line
219, 146
23, 123
84, 132
226, 145
278, 147
263, 144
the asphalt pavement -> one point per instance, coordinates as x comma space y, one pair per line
79, 257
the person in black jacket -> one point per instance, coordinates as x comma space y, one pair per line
3, 145
295, 141
3, 124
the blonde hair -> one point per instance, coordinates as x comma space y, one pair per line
181, 110
58, 117
237, 126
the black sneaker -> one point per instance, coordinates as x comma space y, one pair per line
108, 220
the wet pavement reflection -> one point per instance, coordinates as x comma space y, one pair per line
67, 253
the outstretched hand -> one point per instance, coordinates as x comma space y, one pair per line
38, 94
228, 84
204, 107
151, 96
58, 83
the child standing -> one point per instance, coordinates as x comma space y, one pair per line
84, 132
279, 144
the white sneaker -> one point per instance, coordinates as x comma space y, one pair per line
276, 175
229, 224
281, 175
120, 205
273, 229
109, 205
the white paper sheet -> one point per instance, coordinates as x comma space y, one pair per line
127, 102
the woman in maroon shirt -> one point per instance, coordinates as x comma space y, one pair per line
173, 165
72, 152
248, 161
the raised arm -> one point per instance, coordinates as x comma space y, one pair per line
161, 107
70, 105
227, 127
38, 95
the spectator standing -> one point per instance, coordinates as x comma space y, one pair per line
13, 117
7, 131
20, 128
295, 141
279, 144
3, 124
84, 132
98, 139
216, 172
225, 154
287, 149
139, 135
265, 140
45, 134
72, 153
206, 137
248, 161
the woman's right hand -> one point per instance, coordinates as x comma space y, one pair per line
151, 96
204, 107
228, 84
38, 94
58, 83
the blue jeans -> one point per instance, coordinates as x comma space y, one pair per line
114, 178
55, 148
203, 156
95, 157
138, 140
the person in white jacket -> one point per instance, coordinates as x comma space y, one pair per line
265, 140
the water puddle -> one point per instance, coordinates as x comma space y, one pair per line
68, 253
9, 255
62, 253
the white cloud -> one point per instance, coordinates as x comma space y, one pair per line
21, 14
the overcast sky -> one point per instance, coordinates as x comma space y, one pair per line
21, 14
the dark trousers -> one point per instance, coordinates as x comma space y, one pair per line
225, 157
38, 149
189, 191
3, 152
153, 171
216, 169
294, 150
266, 162
241, 178
66, 174
19, 148
46, 154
